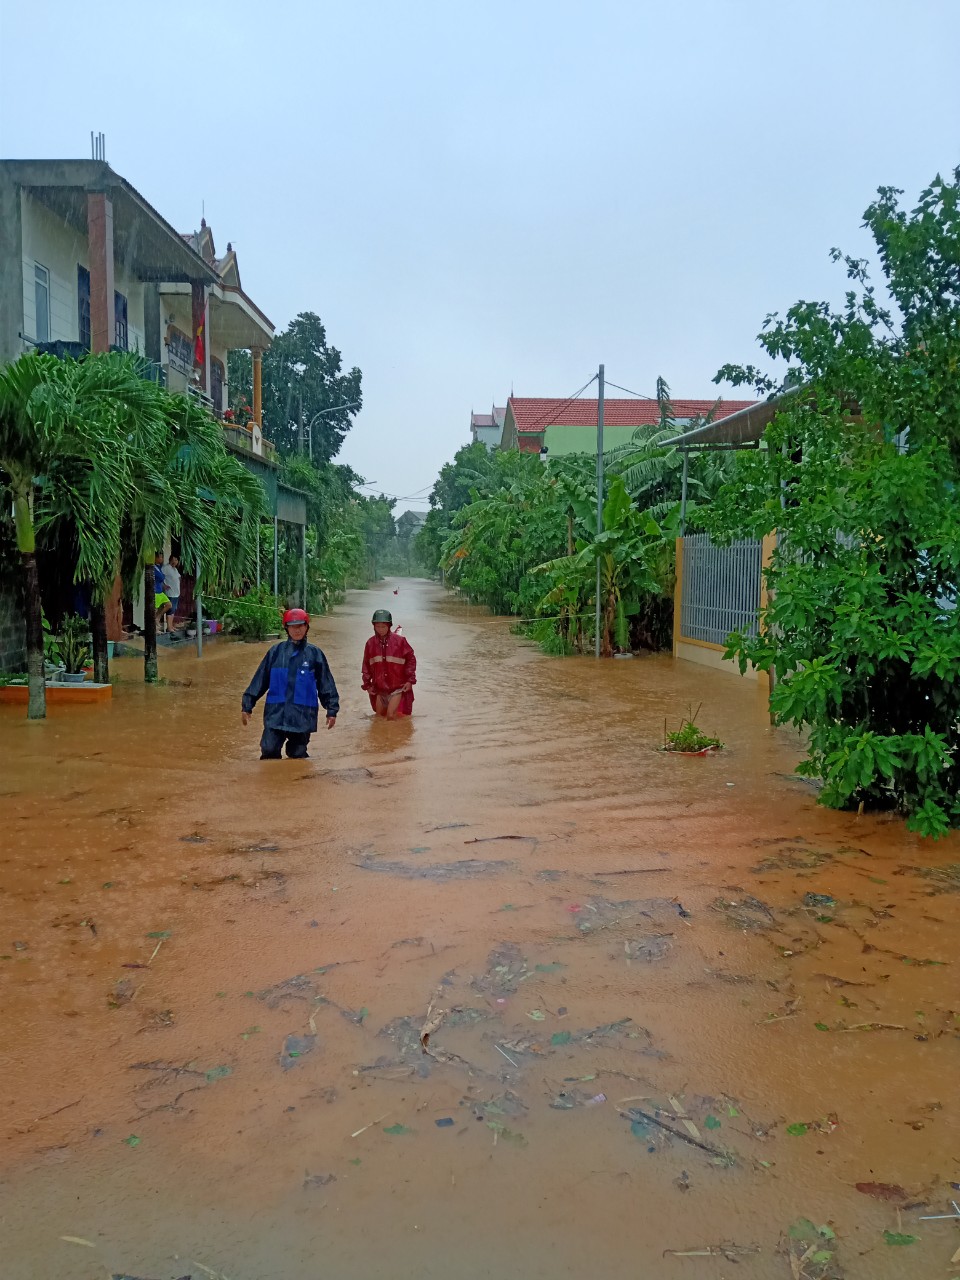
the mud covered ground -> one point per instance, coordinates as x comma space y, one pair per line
502, 991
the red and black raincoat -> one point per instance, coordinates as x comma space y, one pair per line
387, 665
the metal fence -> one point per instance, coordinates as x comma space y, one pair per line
720, 590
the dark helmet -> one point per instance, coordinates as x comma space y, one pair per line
294, 616
383, 615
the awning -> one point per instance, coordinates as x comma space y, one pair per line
286, 503
738, 430
236, 322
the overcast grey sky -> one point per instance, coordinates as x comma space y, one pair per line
500, 195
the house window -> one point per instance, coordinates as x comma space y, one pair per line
41, 293
120, 321
83, 306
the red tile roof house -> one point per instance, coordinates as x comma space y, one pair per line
570, 426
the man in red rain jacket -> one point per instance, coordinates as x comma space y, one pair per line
389, 669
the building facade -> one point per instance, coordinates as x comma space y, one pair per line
570, 426
487, 428
88, 264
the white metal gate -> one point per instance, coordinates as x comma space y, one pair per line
720, 589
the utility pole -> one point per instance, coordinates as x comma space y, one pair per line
596, 647
300, 420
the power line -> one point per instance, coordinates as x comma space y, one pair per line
400, 497
638, 394
563, 404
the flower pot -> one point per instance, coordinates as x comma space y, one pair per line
73, 677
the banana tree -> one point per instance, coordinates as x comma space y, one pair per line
630, 551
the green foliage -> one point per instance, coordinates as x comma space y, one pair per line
690, 739
301, 373
97, 457
72, 645
520, 537
859, 476
253, 616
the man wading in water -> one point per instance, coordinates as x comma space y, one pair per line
296, 679
389, 669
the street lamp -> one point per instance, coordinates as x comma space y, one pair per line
353, 404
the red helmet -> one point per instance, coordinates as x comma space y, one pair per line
294, 616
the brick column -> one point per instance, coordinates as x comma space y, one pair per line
100, 248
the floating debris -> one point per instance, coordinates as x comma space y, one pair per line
507, 968
295, 1048
467, 869
746, 912
653, 946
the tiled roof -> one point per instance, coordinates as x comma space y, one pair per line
535, 415
481, 420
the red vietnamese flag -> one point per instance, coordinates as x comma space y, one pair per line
199, 351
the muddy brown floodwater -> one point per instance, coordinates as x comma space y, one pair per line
669, 1004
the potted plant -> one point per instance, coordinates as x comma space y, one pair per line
52, 666
73, 648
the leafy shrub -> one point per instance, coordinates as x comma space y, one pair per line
690, 739
72, 646
253, 616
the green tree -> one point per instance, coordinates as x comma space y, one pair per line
182, 479
302, 374
64, 453
96, 454
859, 478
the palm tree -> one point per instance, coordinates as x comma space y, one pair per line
62, 453
186, 482
98, 447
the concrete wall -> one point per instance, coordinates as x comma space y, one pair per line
13, 641
49, 241
11, 282
562, 439
489, 436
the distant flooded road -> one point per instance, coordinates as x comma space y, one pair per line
501, 991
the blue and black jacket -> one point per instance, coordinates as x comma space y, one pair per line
295, 678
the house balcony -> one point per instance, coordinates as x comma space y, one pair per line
247, 439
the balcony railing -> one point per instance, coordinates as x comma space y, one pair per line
241, 438
150, 371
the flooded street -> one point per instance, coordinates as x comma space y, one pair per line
668, 1004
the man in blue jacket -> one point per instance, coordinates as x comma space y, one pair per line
296, 679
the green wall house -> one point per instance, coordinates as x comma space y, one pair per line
570, 426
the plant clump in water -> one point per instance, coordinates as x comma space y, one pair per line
690, 740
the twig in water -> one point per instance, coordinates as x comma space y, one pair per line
507, 1056
491, 839
150, 961
370, 1125
676, 1133
729, 1251
638, 871
217, 1275
47, 1114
